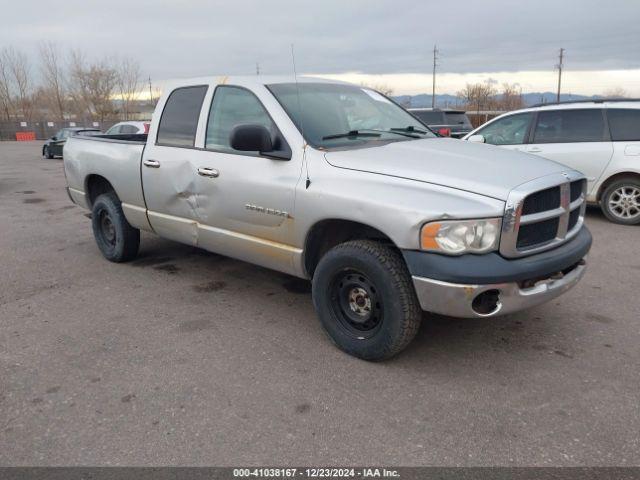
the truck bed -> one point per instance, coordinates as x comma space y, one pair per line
115, 158
120, 138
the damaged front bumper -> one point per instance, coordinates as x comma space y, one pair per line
490, 285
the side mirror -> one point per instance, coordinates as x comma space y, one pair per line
251, 138
476, 138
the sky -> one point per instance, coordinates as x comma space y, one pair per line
378, 42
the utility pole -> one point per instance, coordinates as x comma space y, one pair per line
433, 89
560, 73
257, 68
150, 91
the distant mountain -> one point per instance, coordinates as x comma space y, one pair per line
451, 101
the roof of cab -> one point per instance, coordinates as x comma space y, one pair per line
248, 80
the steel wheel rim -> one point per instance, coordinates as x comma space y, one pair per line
624, 202
107, 228
356, 303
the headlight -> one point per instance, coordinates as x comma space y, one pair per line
456, 237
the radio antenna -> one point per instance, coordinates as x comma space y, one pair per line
304, 146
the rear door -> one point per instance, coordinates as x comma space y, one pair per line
577, 138
624, 124
169, 167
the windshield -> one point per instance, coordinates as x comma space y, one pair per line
335, 115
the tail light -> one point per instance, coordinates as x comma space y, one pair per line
445, 132
146, 127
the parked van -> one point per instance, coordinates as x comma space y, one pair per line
599, 138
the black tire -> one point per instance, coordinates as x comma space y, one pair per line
117, 240
620, 202
364, 296
46, 153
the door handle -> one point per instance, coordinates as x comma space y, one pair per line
534, 150
151, 163
208, 172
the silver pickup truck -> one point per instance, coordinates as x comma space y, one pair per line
336, 183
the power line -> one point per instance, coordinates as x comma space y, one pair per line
561, 57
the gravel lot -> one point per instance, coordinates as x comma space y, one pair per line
184, 357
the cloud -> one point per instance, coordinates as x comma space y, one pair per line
194, 37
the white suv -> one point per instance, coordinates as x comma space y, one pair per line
600, 138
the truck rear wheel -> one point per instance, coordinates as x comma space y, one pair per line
365, 299
621, 201
117, 240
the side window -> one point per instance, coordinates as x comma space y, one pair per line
233, 106
128, 129
510, 130
624, 124
114, 130
568, 126
179, 120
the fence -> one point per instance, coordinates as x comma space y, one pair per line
44, 129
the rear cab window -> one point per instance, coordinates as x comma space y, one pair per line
624, 124
570, 126
458, 119
179, 121
430, 117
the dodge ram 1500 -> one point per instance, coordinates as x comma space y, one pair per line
336, 183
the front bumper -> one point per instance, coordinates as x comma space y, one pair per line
490, 285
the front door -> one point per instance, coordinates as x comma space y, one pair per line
246, 199
510, 131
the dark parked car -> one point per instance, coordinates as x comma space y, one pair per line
447, 123
53, 146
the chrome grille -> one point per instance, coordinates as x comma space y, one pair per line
541, 201
543, 214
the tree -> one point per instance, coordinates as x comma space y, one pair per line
15, 83
128, 80
6, 90
510, 98
92, 86
477, 95
615, 92
379, 87
53, 76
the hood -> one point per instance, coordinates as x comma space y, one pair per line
478, 168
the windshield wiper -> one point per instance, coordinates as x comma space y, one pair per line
351, 133
409, 129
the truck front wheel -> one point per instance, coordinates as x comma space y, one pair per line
365, 299
117, 240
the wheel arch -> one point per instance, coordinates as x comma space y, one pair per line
326, 234
96, 185
613, 178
